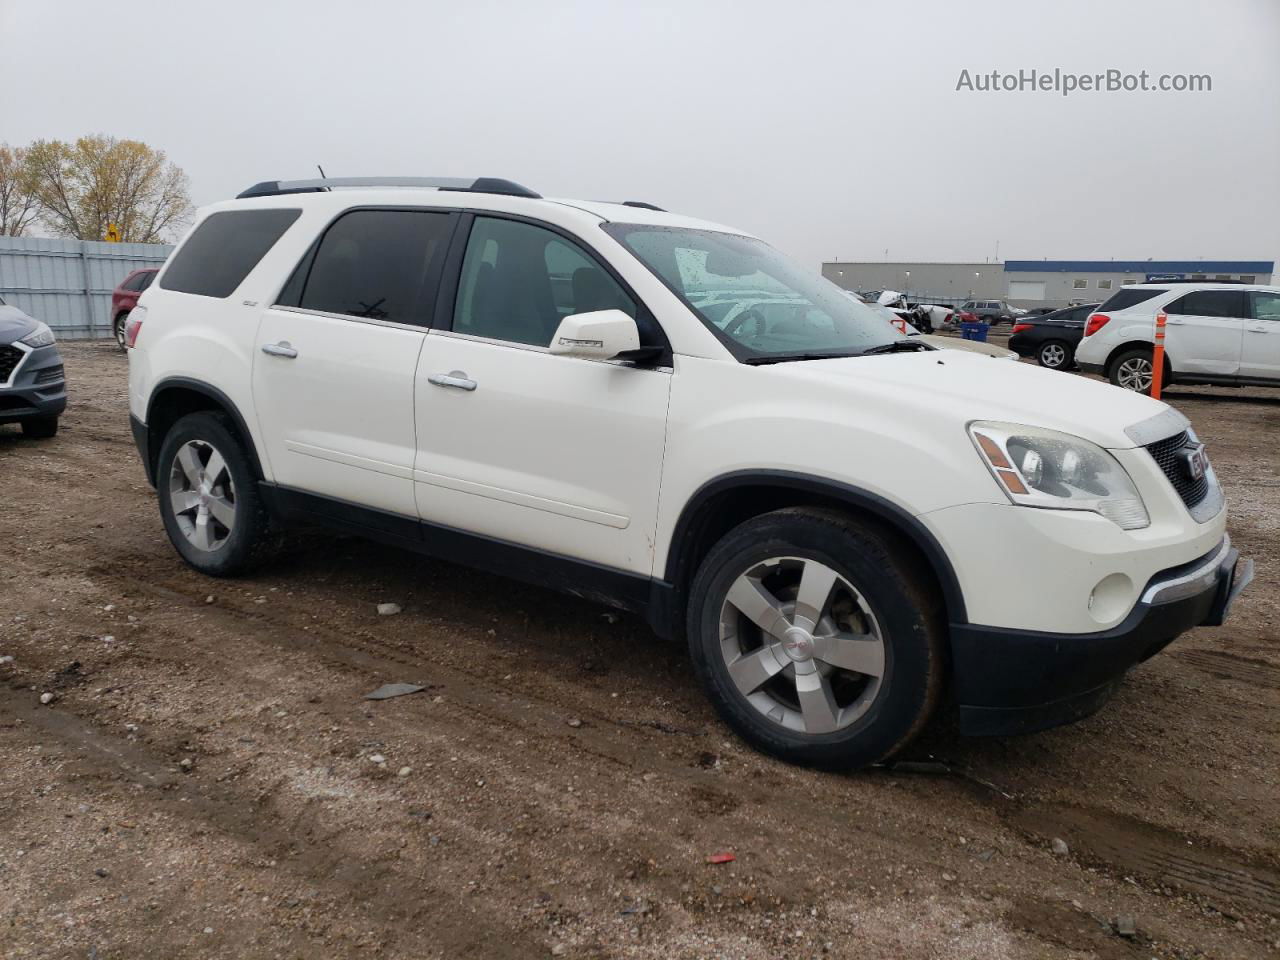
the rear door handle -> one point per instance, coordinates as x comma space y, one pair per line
1259, 329
281, 349
455, 378
1172, 322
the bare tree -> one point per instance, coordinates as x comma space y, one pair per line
99, 180
19, 206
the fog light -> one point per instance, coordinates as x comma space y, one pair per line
1111, 598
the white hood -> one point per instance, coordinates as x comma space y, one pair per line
970, 387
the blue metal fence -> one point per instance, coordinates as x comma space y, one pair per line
68, 283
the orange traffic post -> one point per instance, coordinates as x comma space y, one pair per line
1157, 356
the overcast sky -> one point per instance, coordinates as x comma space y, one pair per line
832, 129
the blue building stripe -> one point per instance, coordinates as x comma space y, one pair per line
1140, 266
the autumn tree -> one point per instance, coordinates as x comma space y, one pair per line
19, 206
99, 180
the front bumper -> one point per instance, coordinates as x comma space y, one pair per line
1011, 681
36, 389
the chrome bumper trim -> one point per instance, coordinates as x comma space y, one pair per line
1202, 578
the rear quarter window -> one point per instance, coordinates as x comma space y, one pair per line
223, 249
1124, 299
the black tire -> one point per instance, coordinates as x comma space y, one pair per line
40, 428
1117, 372
873, 560
238, 552
118, 329
1068, 355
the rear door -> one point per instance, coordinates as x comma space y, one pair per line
1260, 353
333, 375
1204, 332
520, 445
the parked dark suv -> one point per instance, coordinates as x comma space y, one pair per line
993, 312
125, 297
33, 387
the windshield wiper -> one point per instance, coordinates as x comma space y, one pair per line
788, 357
895, 346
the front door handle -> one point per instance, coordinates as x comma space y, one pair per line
281, 349
1172, 322
454, 378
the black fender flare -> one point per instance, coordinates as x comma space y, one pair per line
218, 397
884, 509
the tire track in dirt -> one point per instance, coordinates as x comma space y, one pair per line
1232, 666
1134, 847
379, 889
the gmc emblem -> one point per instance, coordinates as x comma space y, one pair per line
1193, 461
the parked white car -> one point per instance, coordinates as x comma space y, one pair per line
1215, 333
845, 523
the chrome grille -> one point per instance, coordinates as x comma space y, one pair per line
1166, 454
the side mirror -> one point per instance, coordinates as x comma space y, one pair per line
598, 335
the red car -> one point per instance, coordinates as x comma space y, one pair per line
125, 297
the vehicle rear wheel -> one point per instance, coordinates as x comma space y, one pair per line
1054, 354
813, 641
40, 428
1132, 370
209, 499
118, 329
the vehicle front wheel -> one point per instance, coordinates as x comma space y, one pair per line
209, 499
813, 640
118, 329
40, 428
1132, 370
1054, 354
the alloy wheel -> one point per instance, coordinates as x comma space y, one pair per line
1135, 374
802, 645
1053, 355
202, 495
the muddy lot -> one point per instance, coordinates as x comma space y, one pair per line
206, 780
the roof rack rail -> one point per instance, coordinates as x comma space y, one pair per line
643, 205
273, 188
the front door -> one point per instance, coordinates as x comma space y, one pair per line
1260, 354
333, 372
520, 445
1204, 332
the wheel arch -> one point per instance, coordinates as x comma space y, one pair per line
1128, 345
726, 501
174, 398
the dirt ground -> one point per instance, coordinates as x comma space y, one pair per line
206, 780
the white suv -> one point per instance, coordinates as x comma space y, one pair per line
846, 524
1215, 333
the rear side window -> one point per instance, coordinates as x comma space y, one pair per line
145, 279
375, 264
224, 248
133, 283
1124, 299
1209, 303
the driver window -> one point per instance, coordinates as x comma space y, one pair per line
520, 280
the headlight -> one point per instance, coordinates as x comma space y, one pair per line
41, 336
1044, 468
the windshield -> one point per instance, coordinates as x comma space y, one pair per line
758, 303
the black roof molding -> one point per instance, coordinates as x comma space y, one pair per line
492, 185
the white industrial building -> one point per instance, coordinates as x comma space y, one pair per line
1033, 283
